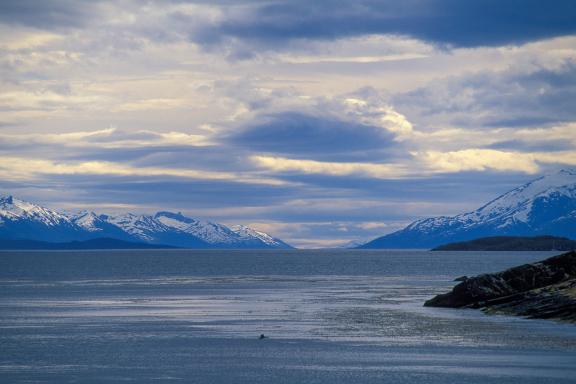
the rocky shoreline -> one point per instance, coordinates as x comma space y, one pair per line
542, 290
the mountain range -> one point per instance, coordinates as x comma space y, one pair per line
21, 220
544, 206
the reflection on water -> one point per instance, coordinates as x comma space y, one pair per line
115, 317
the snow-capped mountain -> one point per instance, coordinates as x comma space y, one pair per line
148, 229
99, 226
545, 206
87, 220
211, 233
252, 236
23, 220
219, 235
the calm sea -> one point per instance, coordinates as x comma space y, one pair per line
329, 317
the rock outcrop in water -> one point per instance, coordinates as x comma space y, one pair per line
545, 290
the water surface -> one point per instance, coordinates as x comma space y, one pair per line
330, 317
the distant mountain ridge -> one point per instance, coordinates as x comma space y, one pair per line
21, 220
98, 243
545, 206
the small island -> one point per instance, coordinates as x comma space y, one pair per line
543, 290
512, 243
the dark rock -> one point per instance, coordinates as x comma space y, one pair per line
461, 278
557, 301
546, 289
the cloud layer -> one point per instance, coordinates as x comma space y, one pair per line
445, 22
321, 122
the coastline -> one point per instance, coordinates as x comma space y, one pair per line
541, 290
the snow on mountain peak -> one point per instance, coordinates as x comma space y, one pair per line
544, 206
8, 199
19, 218
517, 203
571, 172
15, 209
211, 233
247, 232
88, 220
141, 226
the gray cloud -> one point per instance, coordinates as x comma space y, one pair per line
436, 188
272, 24
524, 146
207, 158
50, 14
308, 136
495, 99
161, 191
275, 24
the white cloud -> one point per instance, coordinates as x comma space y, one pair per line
14, 39
425, 163
489, 159
362, 49
16, 168
107, 138
281, 164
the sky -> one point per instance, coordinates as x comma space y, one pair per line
320, 122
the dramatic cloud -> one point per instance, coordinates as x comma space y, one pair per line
446, 22
303, 135
511, 98
321, 122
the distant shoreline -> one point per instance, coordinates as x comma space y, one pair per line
512, 243
93, 244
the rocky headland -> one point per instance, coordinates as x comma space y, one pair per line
543, 290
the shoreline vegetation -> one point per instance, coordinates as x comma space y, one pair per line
512, 243
100, 243
541, 290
